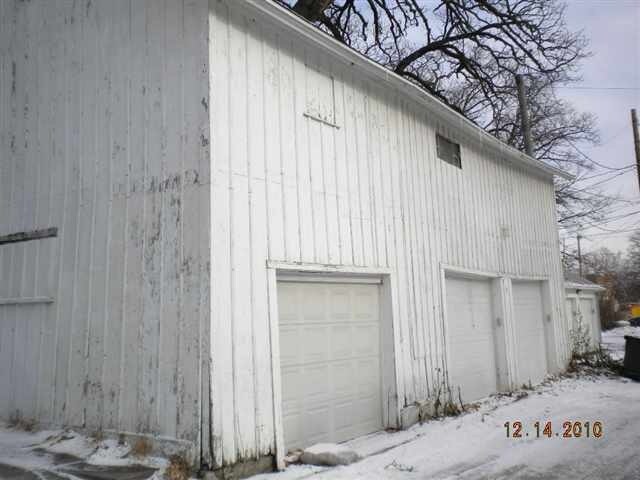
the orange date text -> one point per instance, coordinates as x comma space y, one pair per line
570, 429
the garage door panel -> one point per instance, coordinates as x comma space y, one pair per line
367, 378
344, 416
289, 346
365, 299
287, 302
342, 381
471, 337
314, 344
340, 345
331, 378
316, 382
315, 425
530, 333
294, 379
367, 342
589, 319
293, 426
313, 307
339, 303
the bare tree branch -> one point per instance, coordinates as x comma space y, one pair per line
466, 52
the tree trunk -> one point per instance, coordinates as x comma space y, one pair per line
311, 9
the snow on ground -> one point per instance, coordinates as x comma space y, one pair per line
471, 446
613, 340
475, 445
61, 453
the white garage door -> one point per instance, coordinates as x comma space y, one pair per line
471, 338
590, 320
529, 325
330, 361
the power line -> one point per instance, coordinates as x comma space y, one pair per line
600, 182
574, 229
577, 228
613, 200
595, 88
592, 160
626, 167
614, 234
619, 132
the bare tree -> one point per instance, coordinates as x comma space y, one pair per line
633, 253
602, 261
441, 43
449, 45
466, 52
557, 129
620, 274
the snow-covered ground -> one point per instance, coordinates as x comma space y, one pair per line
471, 446
613, 340
60, 454
475, 445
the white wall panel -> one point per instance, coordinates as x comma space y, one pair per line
106, 110
104, 134
363, 190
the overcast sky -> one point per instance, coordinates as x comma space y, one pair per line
611, 87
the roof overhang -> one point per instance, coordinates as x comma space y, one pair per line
383, 76
582, 286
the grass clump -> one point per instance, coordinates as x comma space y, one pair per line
142, 447
178, 468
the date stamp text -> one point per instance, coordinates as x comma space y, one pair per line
570, 429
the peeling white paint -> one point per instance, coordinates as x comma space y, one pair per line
185, 150
101, 131
290, 187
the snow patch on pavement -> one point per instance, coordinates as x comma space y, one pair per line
69, 443
475, 446
471, 446
329, 454
613, 341
55, 450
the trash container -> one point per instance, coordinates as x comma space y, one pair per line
632, 357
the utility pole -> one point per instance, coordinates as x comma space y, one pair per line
636, 140
524, 115
579, 256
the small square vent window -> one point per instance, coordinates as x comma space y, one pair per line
448, 151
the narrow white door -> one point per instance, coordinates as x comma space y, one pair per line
590, 320
571, 320
471, 342
530, 336
330, 359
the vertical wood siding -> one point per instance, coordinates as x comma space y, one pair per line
365, 189
104, 134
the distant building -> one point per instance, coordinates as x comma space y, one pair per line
582, 307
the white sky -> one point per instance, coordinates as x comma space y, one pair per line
613, 27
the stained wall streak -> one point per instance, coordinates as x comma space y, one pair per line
104, 133
358, 185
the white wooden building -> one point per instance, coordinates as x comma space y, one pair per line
582, 311
245, 237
